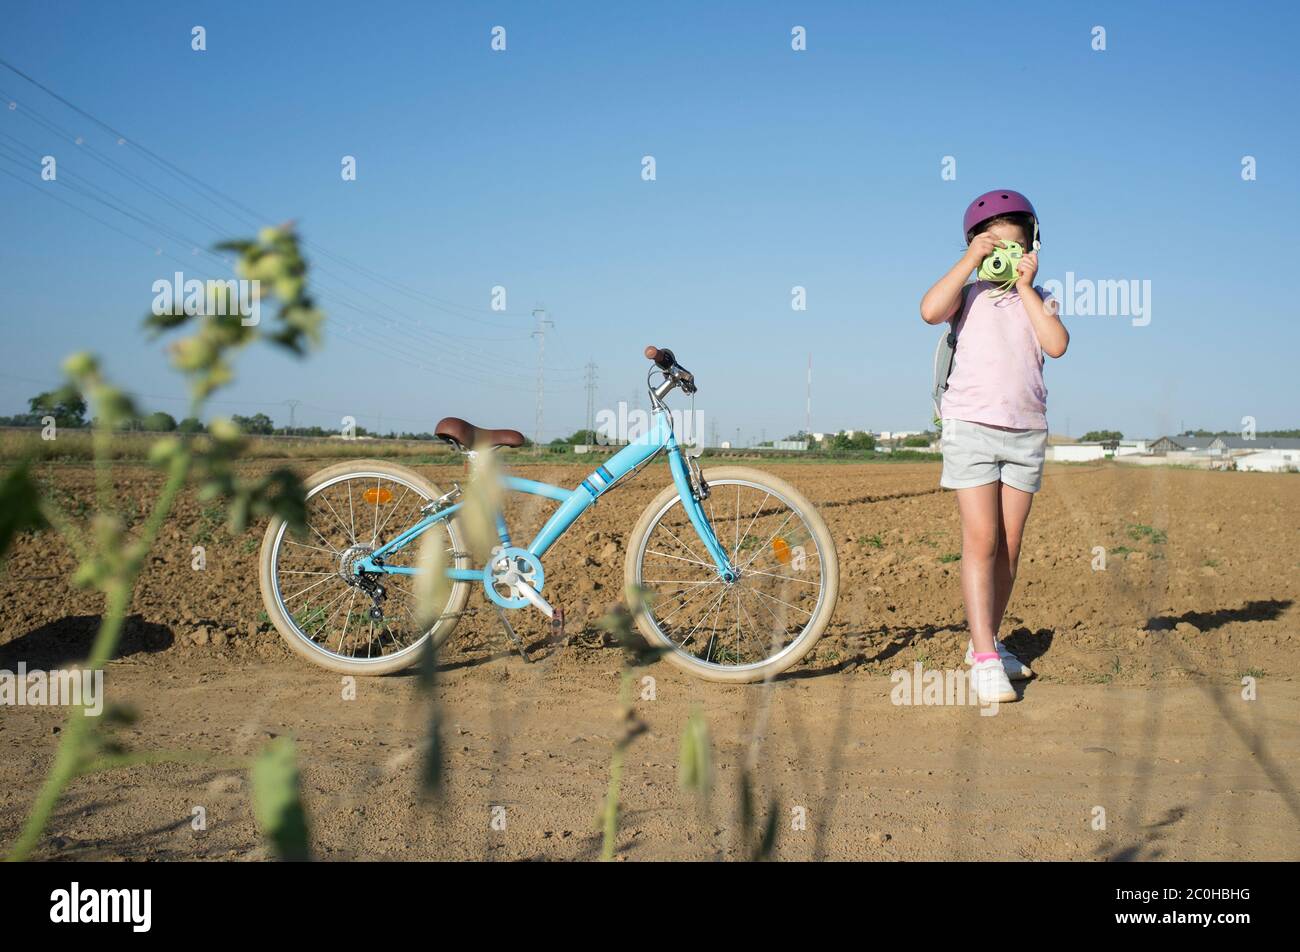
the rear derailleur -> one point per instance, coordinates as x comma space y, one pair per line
368, 582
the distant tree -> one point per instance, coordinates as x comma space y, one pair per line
68, 408
861, 440
158, 422
259, 424
190, 425
1102, 436
921, 441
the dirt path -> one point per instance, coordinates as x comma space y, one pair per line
1138, 709
876, 780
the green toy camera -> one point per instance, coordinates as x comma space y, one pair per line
1000, 267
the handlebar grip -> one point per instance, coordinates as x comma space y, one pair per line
662, 356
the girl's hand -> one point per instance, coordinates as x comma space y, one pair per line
1025, 271
981, 246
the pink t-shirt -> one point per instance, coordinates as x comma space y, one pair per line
997, 375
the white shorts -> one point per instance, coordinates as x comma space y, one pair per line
975, 454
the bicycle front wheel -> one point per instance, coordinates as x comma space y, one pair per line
787, 581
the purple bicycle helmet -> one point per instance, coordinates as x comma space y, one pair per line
1000, 201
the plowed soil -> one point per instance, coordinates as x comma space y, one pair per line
1162, 722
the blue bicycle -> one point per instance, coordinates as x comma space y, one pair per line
737, 571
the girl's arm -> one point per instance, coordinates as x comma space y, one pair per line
942, 300
1051, 333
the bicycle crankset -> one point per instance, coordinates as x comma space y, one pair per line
513, 578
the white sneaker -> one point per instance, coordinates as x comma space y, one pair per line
1016, 669
990, 682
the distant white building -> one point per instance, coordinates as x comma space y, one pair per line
1270, 461
1222, 446
1132, 447
1076, 452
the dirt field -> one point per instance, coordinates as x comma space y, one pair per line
1137, 709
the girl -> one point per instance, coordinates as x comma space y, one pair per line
994, 421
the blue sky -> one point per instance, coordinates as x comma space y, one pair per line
775, 168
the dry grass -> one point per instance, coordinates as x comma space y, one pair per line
16, 444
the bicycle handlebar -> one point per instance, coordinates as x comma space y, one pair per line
663, 359
662, 356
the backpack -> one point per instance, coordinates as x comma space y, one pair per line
945, 353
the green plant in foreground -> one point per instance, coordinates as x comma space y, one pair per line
695, 757
109, 557
619, 623
758, 835
277, 800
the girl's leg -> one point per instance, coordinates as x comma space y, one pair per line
978, 508
1014, 510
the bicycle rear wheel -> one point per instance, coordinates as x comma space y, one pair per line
770, 617
319, 605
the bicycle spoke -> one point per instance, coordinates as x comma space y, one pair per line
391, 511
760, 614
788, 578
775, 599
679, 558
307, 589
351, 538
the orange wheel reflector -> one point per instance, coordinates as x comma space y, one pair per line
781, 549
378, 496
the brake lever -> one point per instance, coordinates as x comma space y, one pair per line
684, 377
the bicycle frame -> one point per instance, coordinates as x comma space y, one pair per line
573, 503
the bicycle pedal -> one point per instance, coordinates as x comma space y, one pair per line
519, 645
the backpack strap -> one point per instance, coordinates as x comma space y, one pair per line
945, 354
952, 326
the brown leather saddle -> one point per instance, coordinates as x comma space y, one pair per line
468, 436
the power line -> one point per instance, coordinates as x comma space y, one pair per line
487, 368
227, 202
467, 364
